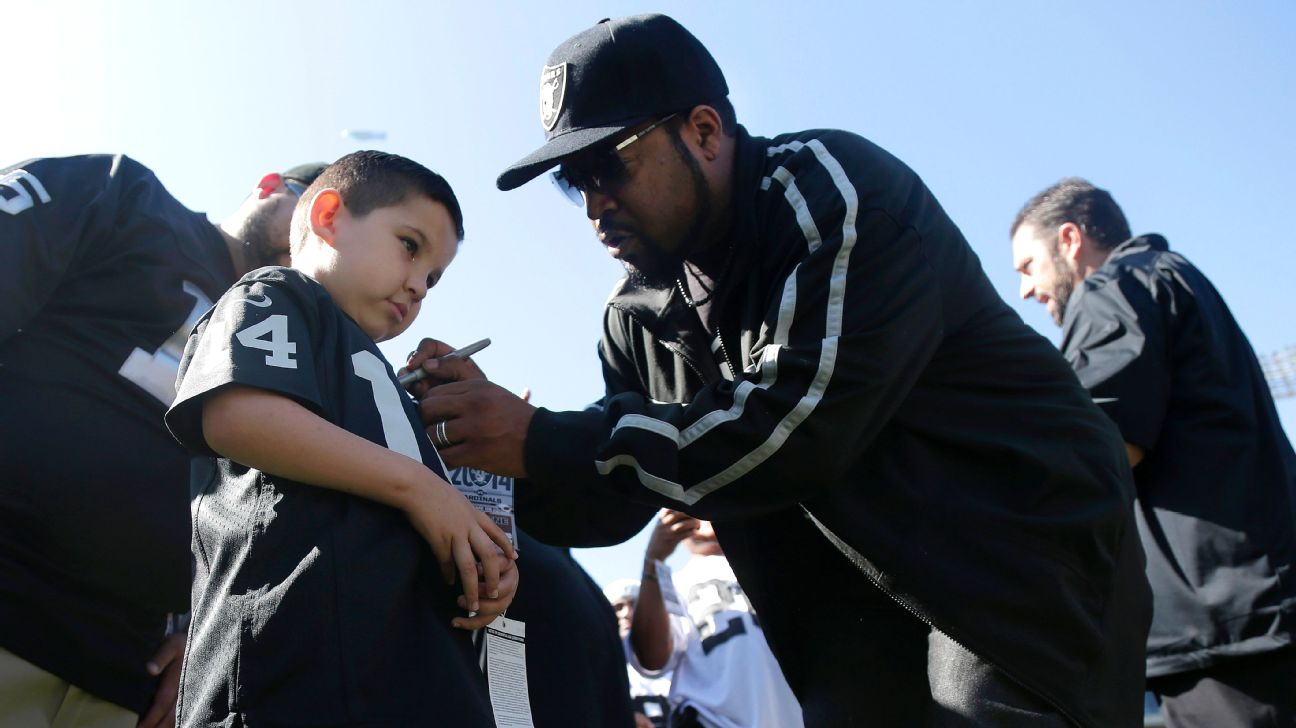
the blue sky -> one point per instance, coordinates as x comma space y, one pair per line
1182, 109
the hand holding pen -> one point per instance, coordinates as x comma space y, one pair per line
473, 422
419, 371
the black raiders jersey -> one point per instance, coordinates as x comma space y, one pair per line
102, 274
312, 606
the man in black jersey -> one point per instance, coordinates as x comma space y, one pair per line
102, 274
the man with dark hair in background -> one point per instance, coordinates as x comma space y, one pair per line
928, 513
1158, 349
102, 274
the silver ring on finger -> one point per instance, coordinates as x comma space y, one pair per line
439, 435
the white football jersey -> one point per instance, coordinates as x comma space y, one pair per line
721, 664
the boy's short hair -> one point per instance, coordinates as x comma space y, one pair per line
369, 180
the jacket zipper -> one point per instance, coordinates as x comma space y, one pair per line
674, 348
858, 560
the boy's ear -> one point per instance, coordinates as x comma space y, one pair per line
323, 215
268, 185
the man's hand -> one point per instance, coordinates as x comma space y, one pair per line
428, 356
460, 537
167, 662
671, 528
486, 424
650, 631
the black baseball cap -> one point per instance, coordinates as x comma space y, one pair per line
304, 173
614, 76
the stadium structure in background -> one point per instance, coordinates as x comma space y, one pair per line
1280, 371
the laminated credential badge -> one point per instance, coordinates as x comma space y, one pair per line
490, 494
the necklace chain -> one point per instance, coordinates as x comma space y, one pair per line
724, 351
710, 292
693, 303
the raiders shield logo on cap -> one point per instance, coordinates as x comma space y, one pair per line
553, 84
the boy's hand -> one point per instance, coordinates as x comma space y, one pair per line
490, 608
460, 536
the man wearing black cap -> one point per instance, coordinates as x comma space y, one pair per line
806, 352
102, 274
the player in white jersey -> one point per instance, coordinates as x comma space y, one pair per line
701, 626
649, 690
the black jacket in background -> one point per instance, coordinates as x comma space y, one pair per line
1162, 355
894, 421
575, 665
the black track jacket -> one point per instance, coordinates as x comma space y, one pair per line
891, 408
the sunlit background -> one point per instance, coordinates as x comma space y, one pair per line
1184, 110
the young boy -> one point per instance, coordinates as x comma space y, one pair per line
314, 601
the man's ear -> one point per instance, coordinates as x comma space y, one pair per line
325, 207
704, 130
268, 185
1071, 241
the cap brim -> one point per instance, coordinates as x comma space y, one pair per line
305, 172
534, 164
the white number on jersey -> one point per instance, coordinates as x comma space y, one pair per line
281, 349
21, 198
155, 372
397, 430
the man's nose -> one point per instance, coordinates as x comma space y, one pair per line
1027, 287
597, 203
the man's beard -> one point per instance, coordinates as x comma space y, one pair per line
257, 234
664, 271
1063, 284
664, 267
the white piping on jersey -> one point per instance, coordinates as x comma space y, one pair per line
769, 368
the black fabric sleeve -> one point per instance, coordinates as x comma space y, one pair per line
260, 334
52, 212
1115, 340
566, 503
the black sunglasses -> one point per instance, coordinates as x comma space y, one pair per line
603, 173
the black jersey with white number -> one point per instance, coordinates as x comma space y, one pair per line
102, 274
312, 607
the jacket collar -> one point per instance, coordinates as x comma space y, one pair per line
1140, 244
1133, 246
